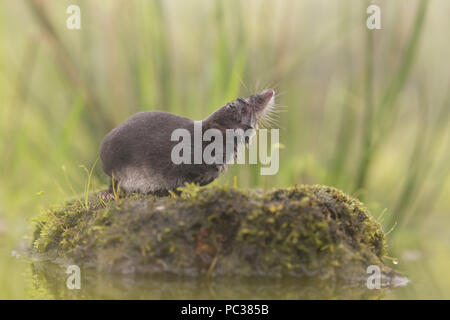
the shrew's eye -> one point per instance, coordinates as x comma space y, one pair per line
243, 111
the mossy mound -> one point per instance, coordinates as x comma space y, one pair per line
218, 231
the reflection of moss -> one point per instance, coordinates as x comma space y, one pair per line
218, 231
49, 282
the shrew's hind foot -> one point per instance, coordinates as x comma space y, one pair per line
106, 195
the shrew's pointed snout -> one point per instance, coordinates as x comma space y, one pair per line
262, 100
265, 97
267, 94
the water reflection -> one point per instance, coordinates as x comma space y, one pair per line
49, 282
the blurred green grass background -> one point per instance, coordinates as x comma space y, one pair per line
368, 111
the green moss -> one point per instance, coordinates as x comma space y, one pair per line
218, 231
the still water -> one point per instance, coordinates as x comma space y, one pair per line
48, 281
22, 278
44, 280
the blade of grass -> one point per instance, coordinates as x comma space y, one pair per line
388, 107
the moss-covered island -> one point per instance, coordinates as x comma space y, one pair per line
217, 232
